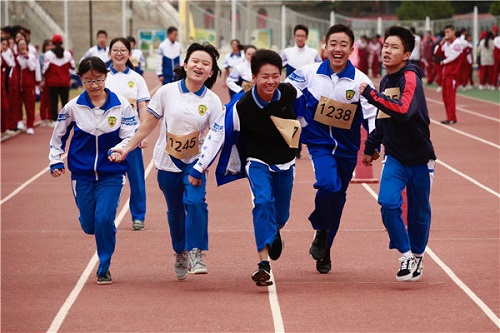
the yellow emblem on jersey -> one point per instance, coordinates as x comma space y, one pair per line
202, 109
349, 94
111, 121
131, 84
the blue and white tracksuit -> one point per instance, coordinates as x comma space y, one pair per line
132, 86
167, 59
97, 183
254, 148
295, 57
183, 112
409, 157
333, 150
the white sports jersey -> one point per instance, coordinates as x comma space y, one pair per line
182, 112
128, 84
297, 57
243, 72
231, 60
96, 51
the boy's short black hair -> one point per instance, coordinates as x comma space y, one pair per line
171, 29
340, 28
301, 27
263, 57
99, 32
405, 35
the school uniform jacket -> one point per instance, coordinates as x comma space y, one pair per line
296, 57
168, 57
405, 134
57, 70
96, 132
251, 134
316, 80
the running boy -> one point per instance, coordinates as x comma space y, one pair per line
403, 128
263, 122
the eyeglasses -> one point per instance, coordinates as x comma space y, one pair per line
89, 83
122, 51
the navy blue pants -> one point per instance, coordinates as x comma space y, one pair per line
333, 175
187, 211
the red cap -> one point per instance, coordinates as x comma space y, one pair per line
57, 39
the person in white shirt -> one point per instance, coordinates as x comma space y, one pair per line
136, 56
240, 79
99, 50
415, 54
184, 150
300, 54
168, 57
231, 60
123, 81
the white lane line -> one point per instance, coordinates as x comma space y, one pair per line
464, 110
452, 275
489, 143
472, 180
279, 327
23, 186
72, 297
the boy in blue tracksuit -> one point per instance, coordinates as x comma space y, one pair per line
261, 140
402, 126
331, 111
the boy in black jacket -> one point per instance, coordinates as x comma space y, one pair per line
402, 126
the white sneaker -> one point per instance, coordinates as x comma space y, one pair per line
406, 269
419, 270
21, 125
196, 264
30, 131
181, 265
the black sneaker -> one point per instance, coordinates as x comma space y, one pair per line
419, 270
318, 246
262, 276
276, 247
324, 265
105, 278
406, 269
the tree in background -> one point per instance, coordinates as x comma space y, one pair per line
419, 10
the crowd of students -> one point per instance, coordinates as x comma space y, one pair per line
323, 103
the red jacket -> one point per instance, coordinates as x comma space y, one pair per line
56, 70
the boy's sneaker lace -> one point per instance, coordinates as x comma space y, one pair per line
105, 278
406, 269
196, 264
262, 276
419, 268
318, 246
276, 247
181, 265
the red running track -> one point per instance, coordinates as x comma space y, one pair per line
48, 263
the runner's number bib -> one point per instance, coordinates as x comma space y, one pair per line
334, 113
183, 146
393, 93
289, 129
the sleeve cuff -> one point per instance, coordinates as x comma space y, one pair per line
195, 173
56, 166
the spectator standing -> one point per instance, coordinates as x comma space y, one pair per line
496, 55
240, 79
168, 57
97, 116
57, 68
44, 91
300, 54
101, 49
374, 49
409, 155
466, 80
136, 56
231, 60
332, 139
427, 57
265, 135
417, 50
362, 44
7, 62
124, 81
27, 63
187, 109
450, 49
486, 53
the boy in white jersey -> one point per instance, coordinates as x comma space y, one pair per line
187, 109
